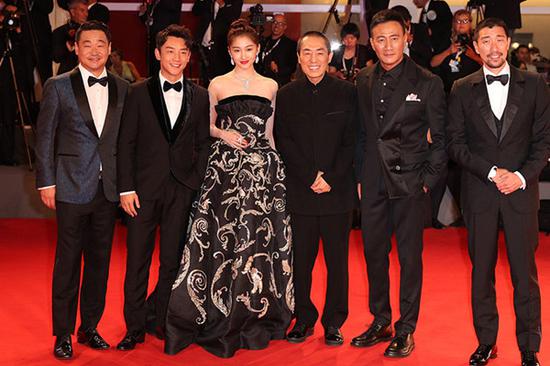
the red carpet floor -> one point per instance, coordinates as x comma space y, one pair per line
444, 336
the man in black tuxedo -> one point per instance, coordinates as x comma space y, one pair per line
278, 53
211, 37
76, 136
437, 15
315, 125
163, 151
399, 103
499, 133
63, 37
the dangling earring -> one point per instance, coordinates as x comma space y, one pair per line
257, 57
232, 62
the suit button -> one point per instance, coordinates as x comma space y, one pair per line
397, 167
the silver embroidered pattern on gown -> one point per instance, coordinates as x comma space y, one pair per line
234, 288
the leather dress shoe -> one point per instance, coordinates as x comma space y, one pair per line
333, 336
375, 334
400, 346
129, 341
63, 348
299, 333
482, 354
529, 358
92, 339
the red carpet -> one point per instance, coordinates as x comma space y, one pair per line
444, 336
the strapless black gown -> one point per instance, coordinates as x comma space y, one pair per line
234, 288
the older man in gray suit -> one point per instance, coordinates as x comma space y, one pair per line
77, 133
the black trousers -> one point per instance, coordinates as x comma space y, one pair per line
306, 232
170, 211
452, 180
83, 230
521, 234
381, 217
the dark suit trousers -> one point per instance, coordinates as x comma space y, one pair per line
521, 234
381, 217
82, 230
170, 211
306, 232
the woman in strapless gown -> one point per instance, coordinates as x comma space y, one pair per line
234, 288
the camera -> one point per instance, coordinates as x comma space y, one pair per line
11, 21
463, 39
257, 16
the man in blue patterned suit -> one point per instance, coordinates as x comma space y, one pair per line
77, 131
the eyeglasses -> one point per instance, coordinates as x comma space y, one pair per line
462, 21
279, 24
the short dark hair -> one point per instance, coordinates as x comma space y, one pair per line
93, 25
522, 46
241, 27
313, 34
403, 11
491, 23
385, 16
174, 30
350, 28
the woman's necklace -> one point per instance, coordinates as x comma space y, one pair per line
245, 81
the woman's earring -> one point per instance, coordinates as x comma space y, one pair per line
232, 62
257, 57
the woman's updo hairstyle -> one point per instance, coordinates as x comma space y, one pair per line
241, 27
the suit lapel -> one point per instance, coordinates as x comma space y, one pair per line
185, 111
82, 100
155, 93
517, 83
111, 109
481, 96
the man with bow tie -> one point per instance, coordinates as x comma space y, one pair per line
499, 133
399, 103
162, 156
76, 136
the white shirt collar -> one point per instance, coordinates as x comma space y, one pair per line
86, 74
505, 71
163, 79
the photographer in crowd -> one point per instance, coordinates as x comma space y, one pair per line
351, 56
64, 36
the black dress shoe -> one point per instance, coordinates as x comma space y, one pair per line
63, 348
299, 333
529, 358
400, 346
333, 336
129, 341
482, 354
375, 334
92, 339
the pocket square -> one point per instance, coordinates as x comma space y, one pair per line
412, 98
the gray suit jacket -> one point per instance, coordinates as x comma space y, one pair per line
68, 148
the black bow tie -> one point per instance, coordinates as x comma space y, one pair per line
176, 86
502, 78
101, 81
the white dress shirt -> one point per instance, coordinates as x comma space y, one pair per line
173, 100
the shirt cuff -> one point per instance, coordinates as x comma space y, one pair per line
42, 188
492, 173
523, 182
127, 193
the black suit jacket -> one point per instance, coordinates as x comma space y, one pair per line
398, 147
60, 54
68, 148
226, 15
284, 56
323, 141
440, 27
507, 10
99, 12
166, 12
420, 49
523, 146
150, 150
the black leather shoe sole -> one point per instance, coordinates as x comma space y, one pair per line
331, 342
361, 344
309, 332
398, 354
482, 363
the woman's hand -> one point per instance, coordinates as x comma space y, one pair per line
234, 139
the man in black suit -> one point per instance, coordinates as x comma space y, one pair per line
437, 15
499, 133
400, 103
76, 136
418, 39
163, 151
278, 53
98, 11
315, 124
63, 37
211, 37
507, 10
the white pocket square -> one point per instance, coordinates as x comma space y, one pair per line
412, 98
